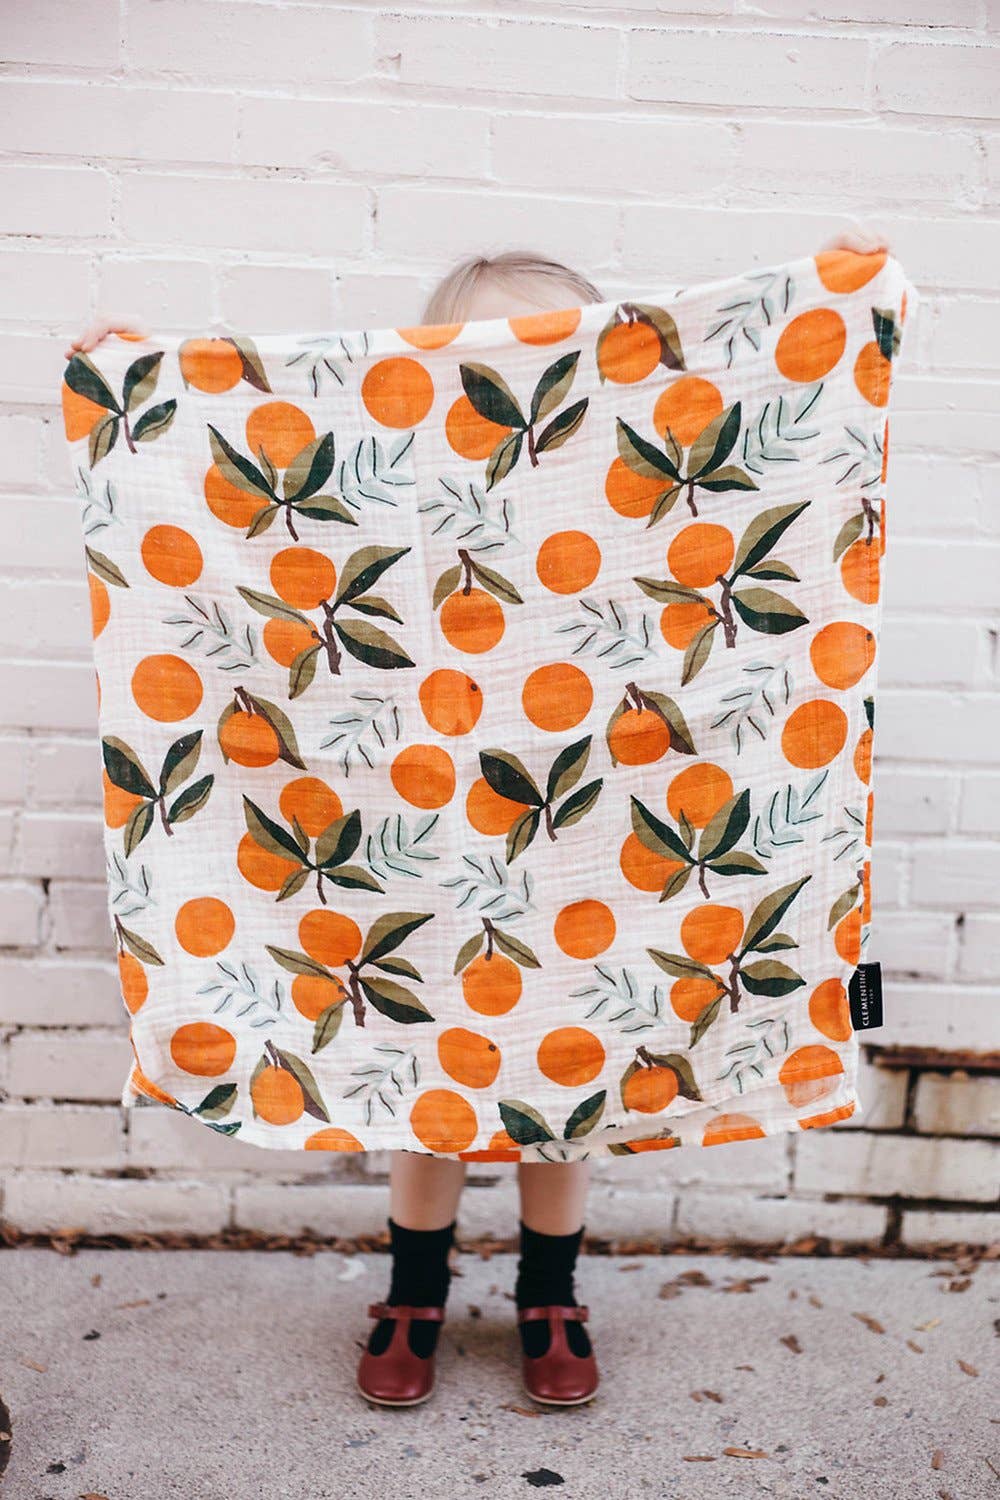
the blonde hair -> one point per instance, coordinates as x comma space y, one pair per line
453, 293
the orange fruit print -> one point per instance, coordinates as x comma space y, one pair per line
487, 714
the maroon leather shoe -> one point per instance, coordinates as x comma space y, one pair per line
558, 1376
398, 1377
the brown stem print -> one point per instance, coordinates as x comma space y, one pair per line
126, 429
328, 637
732, 989
725, 610
353, 990
689, 497
489, 930
466, 559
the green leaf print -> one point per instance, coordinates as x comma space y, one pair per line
584, 1117
523, 1123
395, 1001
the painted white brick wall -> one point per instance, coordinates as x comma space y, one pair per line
261, 163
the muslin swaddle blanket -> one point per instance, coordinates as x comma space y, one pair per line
486, 715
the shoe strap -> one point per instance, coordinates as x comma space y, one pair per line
567, 1314
404, 1310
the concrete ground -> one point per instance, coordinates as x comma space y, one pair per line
212, 1375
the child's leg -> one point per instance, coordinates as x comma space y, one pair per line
424, 1190
553, 1195
553, 1198
423, 1202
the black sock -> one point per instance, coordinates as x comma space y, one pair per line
420, 1278
545, 1277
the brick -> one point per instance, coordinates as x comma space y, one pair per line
944, 78
31, 365
66, 772
50, 286
49, 696
79, 919
903, 164
72, 1065
38, 992
578, 61
372, 299
916, 13
929, 1227
432, 224
493, 1209
957, 1104
915, 944
53, 615
889, 871
928, 495
162, 293
268, 44
952, 874
904, 1166
705, 250
967, 581
914, 801
20, 436
53, 544
73, 202
21, 908
117, 121
331, 1210
267, 213
272, 299
764, 1167
979, 808
14, 751
979, 947
945, 252
963, 413
590, 155
667, 7
928, 726
734, 69
350, 135
61, 845
620, 1213
167, 1140
63, 31
8, 831
40, 1136
881, 1096
749, 1219
989, 509
965, 333
931, 654
940, 1015
42, 1204
991, 147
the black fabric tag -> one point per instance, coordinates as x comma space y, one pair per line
865, 993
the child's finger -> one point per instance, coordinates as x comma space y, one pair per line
99, 329
860, 241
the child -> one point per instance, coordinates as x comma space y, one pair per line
558, 1363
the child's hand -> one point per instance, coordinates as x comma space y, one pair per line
92, 336
862, 242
